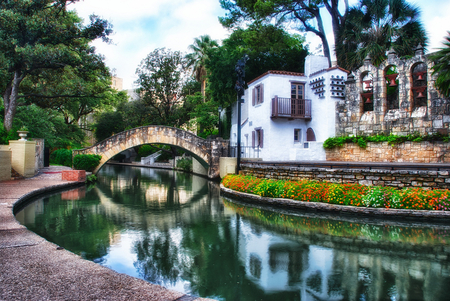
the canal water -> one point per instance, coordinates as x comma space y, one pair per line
174, 229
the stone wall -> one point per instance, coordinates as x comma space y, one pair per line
379, 177
374, 104
416, 152
5, 164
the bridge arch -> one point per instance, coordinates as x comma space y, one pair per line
206, 151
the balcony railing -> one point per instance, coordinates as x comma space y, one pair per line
291, 108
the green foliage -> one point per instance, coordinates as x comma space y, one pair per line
302, 15
62, 156
146, 150
268, 188
185, 164
333, 142
44, 47
43, 123
161, 76
372, 27
268, 48
87, 162
90, 179
441, 67
204, 115
108, 124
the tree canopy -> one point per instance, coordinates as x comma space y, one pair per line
268, 48
304, 15
40, 39
161, 78
374, 26
442, 67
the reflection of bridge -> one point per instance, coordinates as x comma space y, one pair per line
207, 152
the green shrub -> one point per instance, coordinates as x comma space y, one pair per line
146, 150
87, 162
62, 156
270, 188
185, 164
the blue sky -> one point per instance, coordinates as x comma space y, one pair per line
140, 26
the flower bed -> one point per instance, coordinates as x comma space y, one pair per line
342, 194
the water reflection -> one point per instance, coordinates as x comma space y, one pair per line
174, 229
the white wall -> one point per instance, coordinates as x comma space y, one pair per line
279, 142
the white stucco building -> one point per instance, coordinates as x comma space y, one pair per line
287, 116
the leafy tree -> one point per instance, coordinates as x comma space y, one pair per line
204, 115
374, 26
38, 36
197, 59
43, 123
442, 67
161, 77
108, 124
79, 96
306, 15
268, 48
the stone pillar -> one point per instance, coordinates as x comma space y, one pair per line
228, 165
5, 164
23, 157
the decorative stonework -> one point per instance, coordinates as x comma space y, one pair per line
365, 176
415, 152
73, 175
207, 152
405, 104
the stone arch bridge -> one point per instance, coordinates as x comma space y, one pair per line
205, 151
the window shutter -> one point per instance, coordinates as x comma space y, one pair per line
253, 96
253, 139
310, 136
261, 91
261, 138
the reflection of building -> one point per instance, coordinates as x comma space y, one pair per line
276, 263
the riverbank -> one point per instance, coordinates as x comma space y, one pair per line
32, 268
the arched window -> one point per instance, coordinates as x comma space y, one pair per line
391, 76
367, 91
310, 136
419, 85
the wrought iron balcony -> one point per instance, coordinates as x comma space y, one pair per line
291, 108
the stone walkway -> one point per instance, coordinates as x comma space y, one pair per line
32, 268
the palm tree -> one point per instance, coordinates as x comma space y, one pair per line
374, 26
199, 56
442, 67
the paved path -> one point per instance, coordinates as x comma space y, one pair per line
32, 268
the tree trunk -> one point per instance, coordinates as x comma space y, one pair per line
323, 37
10, 99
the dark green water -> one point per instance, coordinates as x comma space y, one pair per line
175, 230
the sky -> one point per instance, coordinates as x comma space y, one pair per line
141, 26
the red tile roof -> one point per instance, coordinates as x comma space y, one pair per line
276, 72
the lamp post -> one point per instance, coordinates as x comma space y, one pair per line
239, 87
220, 127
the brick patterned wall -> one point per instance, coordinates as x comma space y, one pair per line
379, 177
73, 175
416, 152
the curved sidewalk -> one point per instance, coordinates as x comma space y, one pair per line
32, 268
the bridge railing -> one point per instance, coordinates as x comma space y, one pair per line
151, 158
246, 151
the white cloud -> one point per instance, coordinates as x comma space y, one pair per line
141, 26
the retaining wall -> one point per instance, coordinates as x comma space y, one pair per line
414, 152
365, 176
